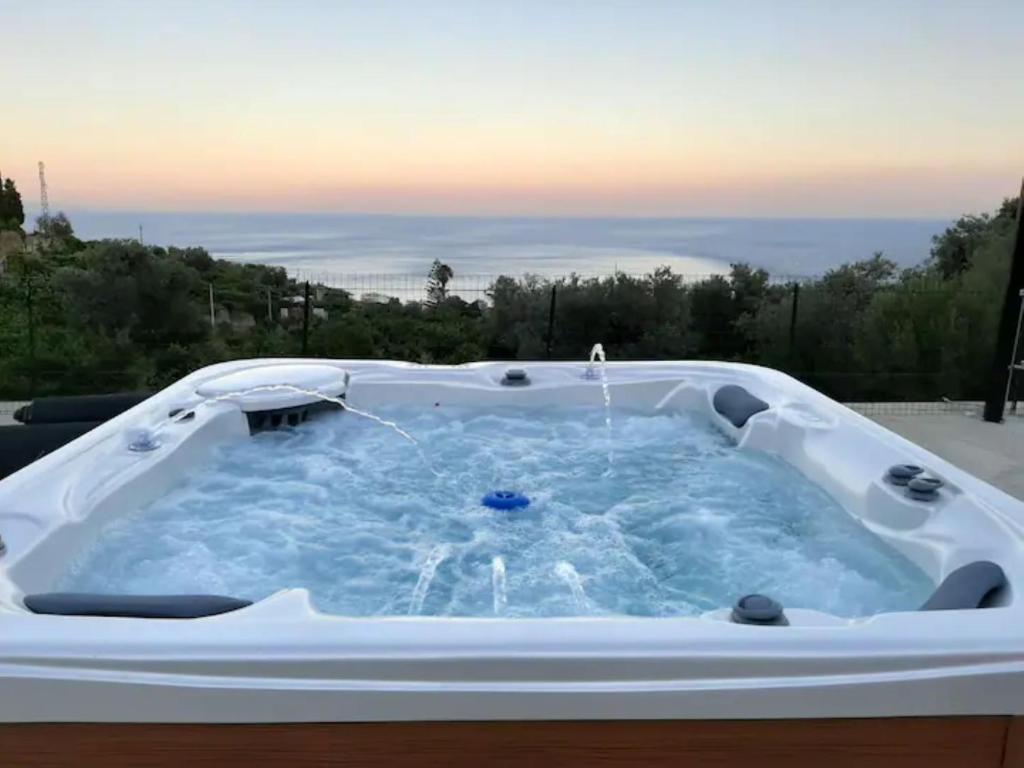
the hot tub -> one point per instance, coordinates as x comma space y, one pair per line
306, 541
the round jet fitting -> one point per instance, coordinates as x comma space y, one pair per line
759, 610
924, 488
901, 474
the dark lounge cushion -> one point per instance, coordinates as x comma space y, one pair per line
133, 606
21, 445
737, 405
53, 410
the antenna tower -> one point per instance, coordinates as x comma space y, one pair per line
44, 200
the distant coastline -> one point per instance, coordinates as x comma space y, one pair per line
406, 245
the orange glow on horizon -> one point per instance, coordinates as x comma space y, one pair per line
625, 109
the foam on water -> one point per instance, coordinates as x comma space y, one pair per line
498, 585
347, 509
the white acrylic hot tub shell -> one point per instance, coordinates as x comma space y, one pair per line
280, 660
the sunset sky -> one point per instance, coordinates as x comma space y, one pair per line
743, 108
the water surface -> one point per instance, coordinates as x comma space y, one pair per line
684, 522
325, 245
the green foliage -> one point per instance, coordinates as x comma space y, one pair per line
953, 250
123, 287
12, 213
59, 226
118, 315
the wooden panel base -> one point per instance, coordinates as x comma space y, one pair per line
960, 742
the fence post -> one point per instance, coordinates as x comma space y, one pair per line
213, 322
305, 320
270, 311
794, 305
31, 336
1002, 356
551, 320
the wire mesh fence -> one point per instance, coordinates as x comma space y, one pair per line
384, 286
857, 338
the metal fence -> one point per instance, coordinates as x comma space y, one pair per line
382, 286
559, 318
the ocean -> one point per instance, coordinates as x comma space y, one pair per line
329, 244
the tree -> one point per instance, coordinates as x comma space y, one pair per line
953, 250
123, 288
197, 258
829, 322
60, 226
12, 213
437, 282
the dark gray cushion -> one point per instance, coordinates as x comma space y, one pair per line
134, 606
737, 405
969, 586
53, 410
21, 445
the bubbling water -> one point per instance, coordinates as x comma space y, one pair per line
688, 524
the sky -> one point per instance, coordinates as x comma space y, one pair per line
894, 108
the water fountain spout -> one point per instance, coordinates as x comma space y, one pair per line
339, 401
567, 573
498, 585
427, 571
597, 354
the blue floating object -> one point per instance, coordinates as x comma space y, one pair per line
505, 500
